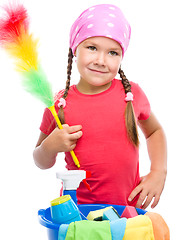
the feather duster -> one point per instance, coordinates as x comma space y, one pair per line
22, 47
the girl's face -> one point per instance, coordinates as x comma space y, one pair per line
98, 62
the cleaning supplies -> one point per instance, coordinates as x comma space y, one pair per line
97, 215
88, 230
71, 180
20, 44
64, 210
129, 212
110, 214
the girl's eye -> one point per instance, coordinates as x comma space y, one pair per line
113, 53
92, 48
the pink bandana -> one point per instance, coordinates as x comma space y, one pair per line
103, 20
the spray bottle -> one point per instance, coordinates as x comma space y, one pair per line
71, 180
64, 209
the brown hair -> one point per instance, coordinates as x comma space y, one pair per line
130, 121
69, 71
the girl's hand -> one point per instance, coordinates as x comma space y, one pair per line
63, 140
151, 186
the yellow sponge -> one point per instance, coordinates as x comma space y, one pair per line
98, 214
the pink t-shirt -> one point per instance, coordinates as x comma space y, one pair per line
104, 148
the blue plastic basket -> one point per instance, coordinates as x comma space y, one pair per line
53, 228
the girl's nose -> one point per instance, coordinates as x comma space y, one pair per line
100, 59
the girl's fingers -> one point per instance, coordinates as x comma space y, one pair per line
155, 202
75, 136
74, 129
135, 192
72, 146
141, 199
147, 201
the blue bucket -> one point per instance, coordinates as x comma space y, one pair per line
53, 228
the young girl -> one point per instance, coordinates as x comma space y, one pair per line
100, 116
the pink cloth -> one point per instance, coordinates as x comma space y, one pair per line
104, 148
103, 20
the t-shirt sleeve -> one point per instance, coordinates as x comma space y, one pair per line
48, 123
141, 104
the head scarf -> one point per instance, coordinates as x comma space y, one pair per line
103, 20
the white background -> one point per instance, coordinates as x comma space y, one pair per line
151, 61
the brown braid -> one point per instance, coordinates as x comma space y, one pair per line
69, 71
129, 112
125, 81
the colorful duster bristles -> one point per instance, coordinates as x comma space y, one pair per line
21, 45
16, 40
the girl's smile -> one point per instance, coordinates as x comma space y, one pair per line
97, 71
98, 61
